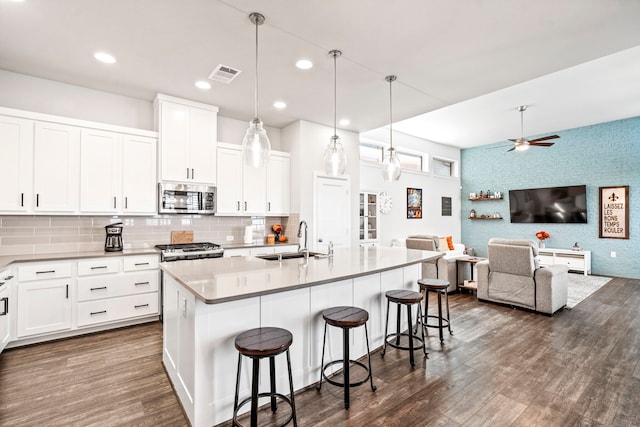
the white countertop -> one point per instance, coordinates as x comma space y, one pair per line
217, 280
6, 260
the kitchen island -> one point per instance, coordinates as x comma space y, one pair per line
208, 302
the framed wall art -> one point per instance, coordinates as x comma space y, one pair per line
614, 212
414, 203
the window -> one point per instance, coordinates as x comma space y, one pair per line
443, 167
371, 153
410, 161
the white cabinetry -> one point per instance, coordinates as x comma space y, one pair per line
245, 190
575, 260
279, 185
16, 173
44, 298
56, 167
368, 231
241, 190
6, 309
118, 173
188, 135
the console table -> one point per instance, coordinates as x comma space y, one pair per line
575, 260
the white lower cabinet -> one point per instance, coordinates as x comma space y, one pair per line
6, 307
44, 306
56, 299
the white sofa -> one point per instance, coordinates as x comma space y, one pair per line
446, 267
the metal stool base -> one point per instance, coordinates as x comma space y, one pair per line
265, 394
341, 384
420, 346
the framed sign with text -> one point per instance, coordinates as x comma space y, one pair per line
614, 212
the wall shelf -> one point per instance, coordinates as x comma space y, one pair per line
485, 219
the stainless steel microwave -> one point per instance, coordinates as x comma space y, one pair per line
177, 198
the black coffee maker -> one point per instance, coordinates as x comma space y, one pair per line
113, 242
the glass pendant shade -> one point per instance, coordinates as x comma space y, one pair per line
391, 166
256, 147
335, 158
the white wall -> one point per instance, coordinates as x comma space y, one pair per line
34, 94
306, 142
395, 225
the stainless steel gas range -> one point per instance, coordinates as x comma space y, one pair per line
186, 251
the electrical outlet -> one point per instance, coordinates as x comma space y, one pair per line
229, 238
613, 254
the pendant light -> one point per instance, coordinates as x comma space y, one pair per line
391, 165
335, 158
256, 147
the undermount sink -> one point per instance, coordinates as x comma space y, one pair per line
285, 255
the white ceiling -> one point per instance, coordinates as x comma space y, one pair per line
463, 66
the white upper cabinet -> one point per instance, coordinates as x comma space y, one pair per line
16, 173
188, 135
118, 173
56, 167
244, 190
100, 171
279, 185
139, 177
60, 166
240, 189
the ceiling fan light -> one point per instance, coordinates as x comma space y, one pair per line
522, 147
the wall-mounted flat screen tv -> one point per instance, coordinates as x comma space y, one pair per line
549, 205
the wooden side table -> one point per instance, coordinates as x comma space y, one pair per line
471, 284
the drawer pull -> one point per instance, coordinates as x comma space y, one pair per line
141, 305
141, 283
98, 267
98, 312
97, 289
8, 278
5, 311
45, 272
141, 263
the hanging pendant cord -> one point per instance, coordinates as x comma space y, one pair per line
335, 95
390, 117
256, 77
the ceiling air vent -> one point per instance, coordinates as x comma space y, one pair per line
224, 74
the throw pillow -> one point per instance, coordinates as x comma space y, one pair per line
442, 245
450, 243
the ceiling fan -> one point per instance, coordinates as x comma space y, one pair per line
523, 144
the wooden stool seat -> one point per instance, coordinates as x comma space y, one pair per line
403, 296
440, 287
260, 343
345, 318
264, 342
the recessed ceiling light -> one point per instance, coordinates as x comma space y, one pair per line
201, 84
104, 57
280, 105
304, 64
345, 122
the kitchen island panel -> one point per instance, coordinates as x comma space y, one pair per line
366, 295
323, 297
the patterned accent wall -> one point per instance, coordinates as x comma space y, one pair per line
606, 154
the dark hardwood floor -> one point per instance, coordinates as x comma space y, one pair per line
502, 367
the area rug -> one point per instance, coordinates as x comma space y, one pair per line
581, 286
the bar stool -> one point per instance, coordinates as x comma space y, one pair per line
407, 298
345, 318
257, 344
439, 287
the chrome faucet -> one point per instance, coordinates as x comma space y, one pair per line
300, 248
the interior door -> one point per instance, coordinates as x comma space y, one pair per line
331, 212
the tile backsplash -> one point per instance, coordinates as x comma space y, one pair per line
54, 234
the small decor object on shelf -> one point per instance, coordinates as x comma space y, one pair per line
277, 228
576, 247
542, 236
472, 214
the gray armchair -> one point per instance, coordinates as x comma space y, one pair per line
443, 268
513, 276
